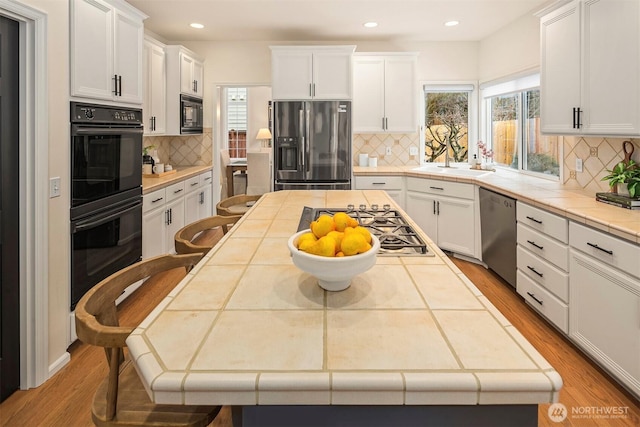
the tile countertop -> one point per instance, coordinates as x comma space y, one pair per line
183, 172
574, 204
247, 327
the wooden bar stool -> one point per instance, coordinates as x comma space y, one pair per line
184, 238
121, 399
236, 205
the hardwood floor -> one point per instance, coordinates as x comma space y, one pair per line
65, 400
586, 387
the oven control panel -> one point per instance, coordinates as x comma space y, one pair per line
104, 114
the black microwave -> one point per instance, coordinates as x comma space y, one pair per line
190, 115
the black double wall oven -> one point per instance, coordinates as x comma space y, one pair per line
106, 193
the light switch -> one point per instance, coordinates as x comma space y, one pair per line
413, 151
388, 151
578, 165
54, 187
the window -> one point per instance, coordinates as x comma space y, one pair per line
447, 119
513, 128
237, 122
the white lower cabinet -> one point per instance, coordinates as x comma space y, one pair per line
543, 262
198, 200
604, 302
166, 211
445, 211
163, 214
393, 185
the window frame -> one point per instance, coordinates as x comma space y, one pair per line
225, 106
516, 84
451, 86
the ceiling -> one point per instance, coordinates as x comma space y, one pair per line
331, 20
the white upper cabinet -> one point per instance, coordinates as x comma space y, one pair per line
185, 72
106, 51
154, 104
589, 68
318, 72
384, 93
191, 74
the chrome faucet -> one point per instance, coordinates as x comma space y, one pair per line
446, 151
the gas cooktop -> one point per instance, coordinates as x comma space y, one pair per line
397, 237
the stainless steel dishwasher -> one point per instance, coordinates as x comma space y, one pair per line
498, 229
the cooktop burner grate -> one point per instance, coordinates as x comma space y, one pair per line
397, 237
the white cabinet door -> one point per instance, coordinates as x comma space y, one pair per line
292, 74
176, 209
611, 63
92, 49
331, 75
456, 226
400, 94
192, 207
154, 234
560, 69
422, 209
604, 316
198, 78
384, 94
589, 84
155, 93
128, 41
106, 52
368, 94
186, 74
206, 201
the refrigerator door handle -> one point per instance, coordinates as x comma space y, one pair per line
302, 141
307, 132
334, 133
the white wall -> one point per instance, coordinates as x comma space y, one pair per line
58, 100
513, 49
257, 114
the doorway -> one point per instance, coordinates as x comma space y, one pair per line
9, 208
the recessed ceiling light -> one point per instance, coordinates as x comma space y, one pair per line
370, 24
196, 25
451, 23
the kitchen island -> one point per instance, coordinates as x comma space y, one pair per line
410, 342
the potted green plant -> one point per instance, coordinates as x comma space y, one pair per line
146, 157
623, 178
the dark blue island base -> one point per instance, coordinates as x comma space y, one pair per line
386, 416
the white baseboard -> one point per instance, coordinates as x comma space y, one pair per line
59, 364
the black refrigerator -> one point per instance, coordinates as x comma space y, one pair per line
312, 145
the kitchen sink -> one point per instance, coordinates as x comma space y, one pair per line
464, 171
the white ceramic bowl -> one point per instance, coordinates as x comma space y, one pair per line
333, 274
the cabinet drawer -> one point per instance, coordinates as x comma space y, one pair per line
545, 222
543, 246
153, 200
618, 253
175, 190
441, 188
543, 273
192, 184
379, 182
540, 299
206, 178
